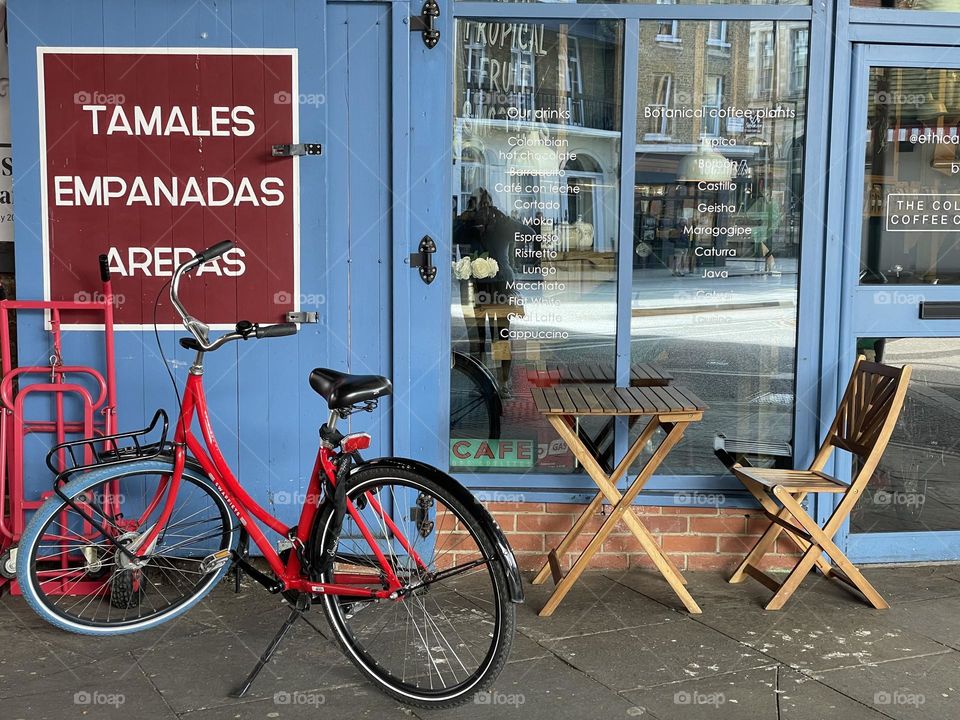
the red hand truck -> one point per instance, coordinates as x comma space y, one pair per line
65, 385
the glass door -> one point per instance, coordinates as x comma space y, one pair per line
902, 291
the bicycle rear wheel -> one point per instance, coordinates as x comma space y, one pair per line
74, 576
449, 635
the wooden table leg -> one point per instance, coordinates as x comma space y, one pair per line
632, 454
621, 509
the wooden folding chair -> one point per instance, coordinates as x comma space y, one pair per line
865, 420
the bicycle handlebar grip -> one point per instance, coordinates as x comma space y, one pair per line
278, 330
214, 251
104, 268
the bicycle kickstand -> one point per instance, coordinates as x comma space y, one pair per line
296, 612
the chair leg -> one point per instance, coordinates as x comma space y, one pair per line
796, 576
822, 539
760, 548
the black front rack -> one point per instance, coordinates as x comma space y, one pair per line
112, 452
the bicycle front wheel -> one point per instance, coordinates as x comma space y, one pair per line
73, 574
448, 635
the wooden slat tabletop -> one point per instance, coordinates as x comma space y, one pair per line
591, 400
641, 375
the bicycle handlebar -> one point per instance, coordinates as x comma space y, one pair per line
199, 329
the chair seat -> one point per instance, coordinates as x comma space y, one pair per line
795, 481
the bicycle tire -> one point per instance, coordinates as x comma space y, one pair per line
505, 624
33, 534
488, 397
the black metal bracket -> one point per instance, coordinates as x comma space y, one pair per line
294, 150
426, 23
423, 259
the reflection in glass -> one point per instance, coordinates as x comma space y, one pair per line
911, 202
941, 5
535, 223
691, 2
717, 209
915, 486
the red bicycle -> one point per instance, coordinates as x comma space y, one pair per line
416, 580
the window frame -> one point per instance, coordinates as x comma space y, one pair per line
663, 489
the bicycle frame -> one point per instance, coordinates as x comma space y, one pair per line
248, 511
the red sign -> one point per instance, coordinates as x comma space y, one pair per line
149, 155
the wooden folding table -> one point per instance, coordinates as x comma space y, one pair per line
641, 375
600, 444
671, 408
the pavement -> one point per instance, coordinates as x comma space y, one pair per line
618, 647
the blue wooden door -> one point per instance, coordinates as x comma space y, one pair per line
264, 413
901, 273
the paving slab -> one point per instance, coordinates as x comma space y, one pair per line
900, 585
811, 638
545, 689
200, 671
595, 604
937, 619
709, 589
912, 689
113, 688
770, 693
656, 654
349, 702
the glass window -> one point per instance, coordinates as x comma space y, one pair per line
915, 488
535, 225
717, 35
799, 50
712, 103
717, 230
911, 195
660, 121
668, 30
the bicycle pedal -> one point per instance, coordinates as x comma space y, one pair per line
215, 561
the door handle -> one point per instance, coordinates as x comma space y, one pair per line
423, 259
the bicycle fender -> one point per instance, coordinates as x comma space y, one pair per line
489, 526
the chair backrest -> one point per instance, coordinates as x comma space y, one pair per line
867, 414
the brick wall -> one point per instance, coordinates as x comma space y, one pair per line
694, 538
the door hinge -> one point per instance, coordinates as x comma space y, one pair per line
294, 150
423, 259
426, 23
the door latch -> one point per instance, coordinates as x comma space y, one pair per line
293, 150
423, 259
303, 317
426, 23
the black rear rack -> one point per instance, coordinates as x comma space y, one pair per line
112, 451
